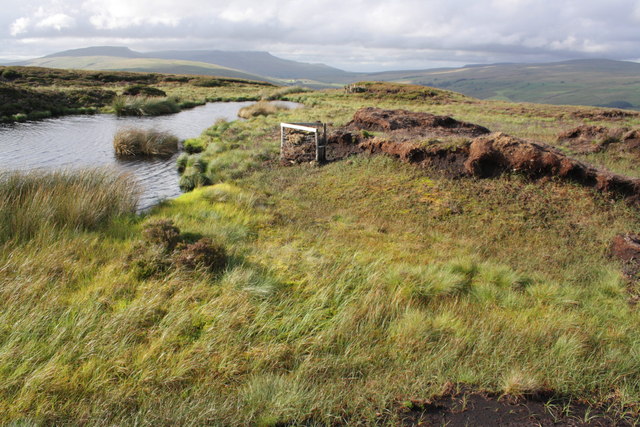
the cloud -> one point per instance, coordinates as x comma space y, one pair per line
355, 34
59, 21
19, 26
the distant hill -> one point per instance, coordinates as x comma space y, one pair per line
598, 82
117, 51
262, 63
141, 64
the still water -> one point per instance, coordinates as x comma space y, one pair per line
85, 141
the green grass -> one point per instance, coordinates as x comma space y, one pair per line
349, 288
282, 93
39, 202
19, 103
32, 93
144, 106
262, 108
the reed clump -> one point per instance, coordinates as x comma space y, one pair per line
262, 108
144, 106
281, 93
130, 142
38, 201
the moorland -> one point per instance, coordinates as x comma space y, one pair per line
595, 82
362, 291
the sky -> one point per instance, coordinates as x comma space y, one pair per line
355, 35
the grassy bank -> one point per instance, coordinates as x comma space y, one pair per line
32, 93
144, 106
37, 202
348, 290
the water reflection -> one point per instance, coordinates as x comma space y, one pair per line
84, 141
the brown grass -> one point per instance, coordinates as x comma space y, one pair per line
261, 108
142, 142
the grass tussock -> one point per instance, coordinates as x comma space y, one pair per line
281, 93
144, 142
76, 200
137, 90
144, 106
262, 108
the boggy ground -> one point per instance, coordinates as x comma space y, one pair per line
458, 148
463, 406
351, 292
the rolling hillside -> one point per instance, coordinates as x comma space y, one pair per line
597, 82
262, 64
108, 63
581, 82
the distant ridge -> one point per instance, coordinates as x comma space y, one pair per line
257, 64
262, 63
595, 82
117, 51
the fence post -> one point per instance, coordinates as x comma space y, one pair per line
281, 141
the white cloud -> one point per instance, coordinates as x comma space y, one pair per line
119, 14
58, 22
420, 31
19, 26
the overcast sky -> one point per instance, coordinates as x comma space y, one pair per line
356, 35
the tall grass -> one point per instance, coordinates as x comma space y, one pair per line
349, 288
144, 106
144, 142
37, 201
281, 93
262, 108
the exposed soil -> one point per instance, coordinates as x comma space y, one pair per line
342, 143
590, 139
407, 92
416, 124
631, 141
604, 115
497, 153
457, 148
298, 147
626, 248
469, 408
587, 139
